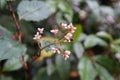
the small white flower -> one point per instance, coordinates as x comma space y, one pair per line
63, 25
41, 30
71, 28
56, 50
54, 31
37, 36
66, 54
67, 37
66, 57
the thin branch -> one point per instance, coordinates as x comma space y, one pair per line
39, 52
47, 46
41, 48
19, 37
39, 45
15, 20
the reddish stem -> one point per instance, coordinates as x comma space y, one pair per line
17, 26
19, 37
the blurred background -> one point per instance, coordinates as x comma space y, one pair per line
95, 47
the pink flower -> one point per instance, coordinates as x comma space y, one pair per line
63, 25
67, 37
54, 31
66, 54
56, 50
40, 30
37, 36
71, 28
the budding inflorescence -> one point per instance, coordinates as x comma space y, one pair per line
67, 36
54, 31
38, 34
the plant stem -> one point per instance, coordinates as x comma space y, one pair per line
47, 46
39, 45
17, 26
39, 52
19, 37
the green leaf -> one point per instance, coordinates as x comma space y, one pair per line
68, 17
77, 32
4, 32
93, 40
62, 67
115, 48
103, 73
52, 5
104, 35
63, 6
2, 3
50, 67
86, 69
79, 49
82, 37
42, 75
116, 41
33, 10
104, 61
59, 17
2, 77
55, 76
66, 46
46, 41
8, 47
13, 64
63, 17
65, 14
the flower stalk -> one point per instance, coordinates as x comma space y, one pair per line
66, 38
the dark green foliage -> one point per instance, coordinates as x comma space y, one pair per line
95, 45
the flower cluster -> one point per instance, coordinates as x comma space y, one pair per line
38, 34
66, 53
56, 50
69, 30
